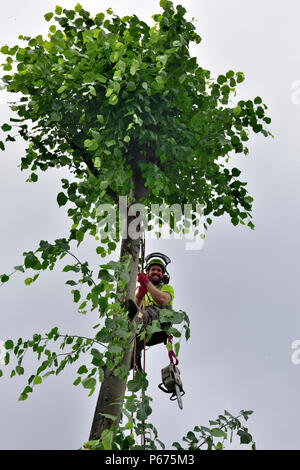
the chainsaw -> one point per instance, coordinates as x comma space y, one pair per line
171, 380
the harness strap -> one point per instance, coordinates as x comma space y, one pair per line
171, 353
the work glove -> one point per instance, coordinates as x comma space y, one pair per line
143, 279
141, 292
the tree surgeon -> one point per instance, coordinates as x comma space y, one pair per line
153, 294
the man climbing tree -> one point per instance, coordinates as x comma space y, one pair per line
130, 113
153, 287
154, 293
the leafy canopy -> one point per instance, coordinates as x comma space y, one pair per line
111, 98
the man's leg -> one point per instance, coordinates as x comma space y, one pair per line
132, 309
150, 313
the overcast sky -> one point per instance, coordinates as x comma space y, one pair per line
240, 290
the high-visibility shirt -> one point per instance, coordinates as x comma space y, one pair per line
163, 288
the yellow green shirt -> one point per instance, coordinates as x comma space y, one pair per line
163, 288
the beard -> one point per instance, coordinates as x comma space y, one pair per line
155, 279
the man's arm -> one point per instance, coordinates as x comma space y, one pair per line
158, 296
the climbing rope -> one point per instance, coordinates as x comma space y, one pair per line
143, 247
171, 353
134, 348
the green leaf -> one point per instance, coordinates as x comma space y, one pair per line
48, 16
37, 380
191, 436
235, 172
62, 89
82, 370
76, 295
78, 8
6, 358
131, 86
31, 261
177, 446
134, 67
113, 100
62, 199
4, 278
230, 74
138, 382
6, 127
55, 116
33, 177
106, 438
77, 381
177, 347
221, 79
96, 353
4, 49
111, 417
91, 144
240, 77
124, 275
101, 78
245, 437
237, 110
216, 432
89, 382
23, 396
225, 89
71, 283
110, 143
92, 91
58, 10
246, 414
9, 344
105, 276
219, 446
235, 140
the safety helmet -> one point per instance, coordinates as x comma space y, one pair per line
156, 261
160, 259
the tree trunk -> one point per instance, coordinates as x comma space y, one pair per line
112, 388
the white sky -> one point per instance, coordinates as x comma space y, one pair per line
240, 290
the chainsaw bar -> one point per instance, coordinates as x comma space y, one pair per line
178, 394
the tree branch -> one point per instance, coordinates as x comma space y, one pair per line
110, 192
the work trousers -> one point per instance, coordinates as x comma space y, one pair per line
150, 313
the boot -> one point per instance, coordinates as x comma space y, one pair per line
138, 354
132, 309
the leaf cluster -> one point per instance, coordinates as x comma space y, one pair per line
212, 437
118, 100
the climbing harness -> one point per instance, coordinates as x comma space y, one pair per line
171, 380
